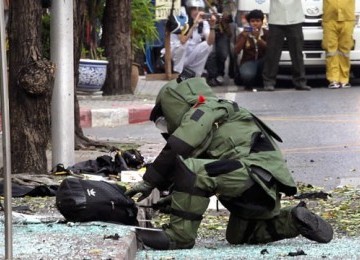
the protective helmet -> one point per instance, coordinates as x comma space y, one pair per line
195, 3
175, 99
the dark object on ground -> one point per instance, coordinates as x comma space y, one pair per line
264, 251
313, 195
86, 200
106, 165
113, 237
133, 158
298, 252
23, 190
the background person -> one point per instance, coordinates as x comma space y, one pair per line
285, 21
191, 49
338, 23
215, 65
252, 43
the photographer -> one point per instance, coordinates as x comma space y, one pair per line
252, 41
191, 48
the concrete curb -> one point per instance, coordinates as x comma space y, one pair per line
114, 117
123, 114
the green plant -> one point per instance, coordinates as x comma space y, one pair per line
45, 35
93, 53
143, 28
92, 30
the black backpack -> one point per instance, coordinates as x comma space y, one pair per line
87, 200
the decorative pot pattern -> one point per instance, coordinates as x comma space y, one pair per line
92, 74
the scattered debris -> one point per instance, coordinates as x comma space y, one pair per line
113, 237
264, 251
298, 252
313, 195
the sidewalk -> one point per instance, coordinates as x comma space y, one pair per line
113, 111
43, 237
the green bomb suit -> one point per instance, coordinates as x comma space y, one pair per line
215, 147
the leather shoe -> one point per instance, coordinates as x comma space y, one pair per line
303, 88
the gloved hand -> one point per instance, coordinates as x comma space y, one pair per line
142, 187
163, 205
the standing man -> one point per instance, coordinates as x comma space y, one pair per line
285, 21
338, 24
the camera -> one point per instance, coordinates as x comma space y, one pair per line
248, 29
207, 16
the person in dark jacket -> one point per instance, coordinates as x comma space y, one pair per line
215, 147
252, 43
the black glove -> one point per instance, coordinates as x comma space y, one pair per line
142, 187
163, 205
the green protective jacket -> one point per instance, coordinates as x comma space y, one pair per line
202, 126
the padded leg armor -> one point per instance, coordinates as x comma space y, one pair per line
185, 218
257, 231
291, 222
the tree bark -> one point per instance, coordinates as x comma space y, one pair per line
30, 89
116, 33
81, 141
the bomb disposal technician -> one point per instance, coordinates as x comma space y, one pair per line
215, 147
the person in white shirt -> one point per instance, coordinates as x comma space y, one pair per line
285, 21
191, 49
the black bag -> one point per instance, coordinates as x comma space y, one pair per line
86, 200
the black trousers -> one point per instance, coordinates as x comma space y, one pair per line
277, 34
215, 65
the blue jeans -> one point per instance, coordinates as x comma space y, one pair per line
250, 73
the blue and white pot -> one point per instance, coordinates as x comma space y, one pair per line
92, 75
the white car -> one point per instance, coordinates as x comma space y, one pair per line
314, 55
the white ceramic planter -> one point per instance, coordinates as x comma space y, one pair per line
92, 75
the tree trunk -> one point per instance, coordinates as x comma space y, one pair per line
116, 35
79, 23
81, 141
30, 89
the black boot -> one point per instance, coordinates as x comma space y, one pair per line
311, 226
152, 238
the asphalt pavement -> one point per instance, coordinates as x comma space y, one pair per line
51, 240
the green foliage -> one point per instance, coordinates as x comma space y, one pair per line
143, 27
92, 30
45, 36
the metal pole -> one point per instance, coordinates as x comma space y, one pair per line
6, 137
62, 107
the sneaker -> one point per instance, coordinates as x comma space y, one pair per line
345, 85
212, 82
269, 88
220, 79
310, 225
334, 85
